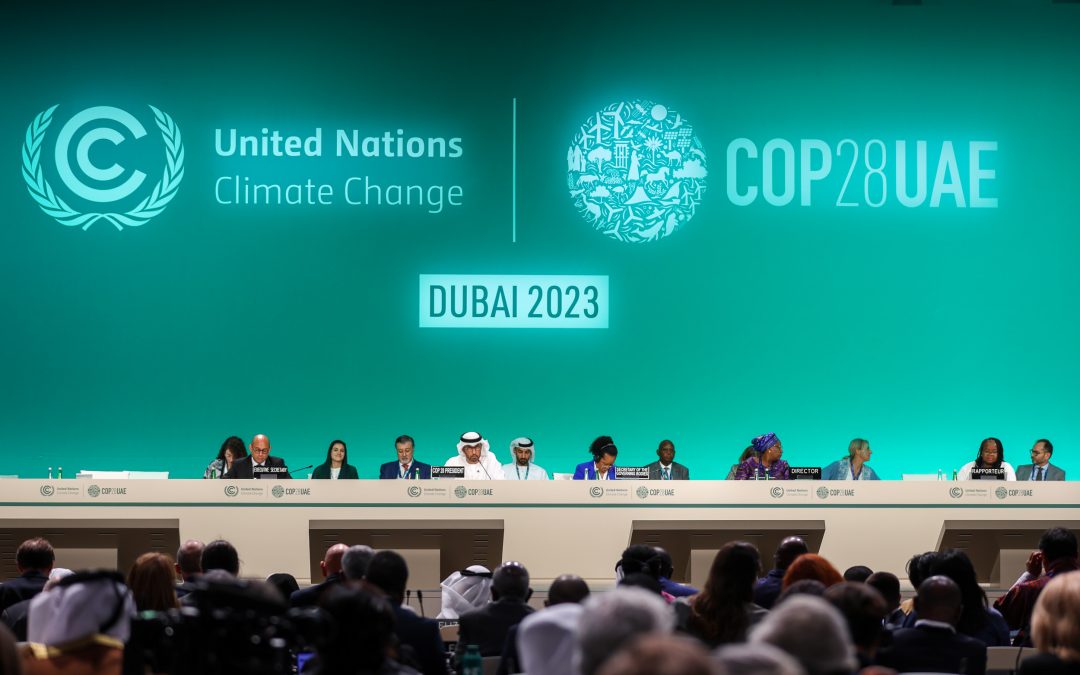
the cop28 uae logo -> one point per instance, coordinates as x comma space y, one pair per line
85, 138
636, 171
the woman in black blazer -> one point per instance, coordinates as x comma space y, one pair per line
336, 466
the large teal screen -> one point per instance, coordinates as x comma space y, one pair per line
699, 221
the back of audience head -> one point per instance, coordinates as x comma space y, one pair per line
35, 555
719, 610
811, 630
364, 624
221, 555
857, 573
802, 587
667, 565
567, 588
1055, 621
918, 568
788, 550
640, 559
284, 582
864, 611
757, 659
613, 619
1057, 543
189, 559
812, 566
331, 562
662, 655
510, 581
888, 585
939, 598
355, 562
956, 565
642, 581
152, 581
389, 572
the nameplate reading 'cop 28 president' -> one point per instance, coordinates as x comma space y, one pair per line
513, 301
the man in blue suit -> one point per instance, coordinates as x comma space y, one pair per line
405, 466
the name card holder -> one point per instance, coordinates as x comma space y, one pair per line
438, 472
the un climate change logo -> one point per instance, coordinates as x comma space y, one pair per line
596, 491
415, 491
956, 492
231, 490
90, 151
47, 491
777, 492
636, 172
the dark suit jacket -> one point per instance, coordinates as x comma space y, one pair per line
487, 627
422, 636
17, 618
323, 472
241, 468
21, 588
309, 597
768, 588
1023, 472
678, 471
933, 650
392, 470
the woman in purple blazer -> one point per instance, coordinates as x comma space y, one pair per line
602, 467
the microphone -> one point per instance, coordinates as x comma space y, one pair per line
420, 599
408, 595
485, 470
302, 468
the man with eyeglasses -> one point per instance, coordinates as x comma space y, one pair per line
1040, 467
259, 464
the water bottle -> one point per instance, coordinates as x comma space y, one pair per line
60, 472
472, 663
940, 474
50, 473
213, 473
954, 474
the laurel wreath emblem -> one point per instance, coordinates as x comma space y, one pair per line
54, 206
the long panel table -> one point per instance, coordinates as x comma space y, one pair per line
553, 526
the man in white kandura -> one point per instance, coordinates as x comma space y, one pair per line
522, 468
474, 453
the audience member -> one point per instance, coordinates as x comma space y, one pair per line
34, 560
769, 587
888, 585
285, 583
812, 566
644, 582
464, 591
933, 644
667, 570
918, 570
354, 563
662, 655
1057, 554
567, 588
864, 611
331, 569
977, 619
724, 609
757, 659
189, 563
803, 587
614, 619
1055, 628
16, 617
547, 640
388, 571
366, 622
152, 581
220, 555
857, 573
487, 626
812, 631
9, 657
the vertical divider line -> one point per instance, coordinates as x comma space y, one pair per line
513, 173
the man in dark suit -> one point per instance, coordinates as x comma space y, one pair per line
933, 645
34, 560
405, 466
331, 569
188, 565
259, 464
666, 468
487, 627
1040, 467
768, 587
389, 572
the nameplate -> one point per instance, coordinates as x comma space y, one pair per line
988, 474
632, 473
447, 472
269, 469
805, 472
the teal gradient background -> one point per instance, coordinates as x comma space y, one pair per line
923, 330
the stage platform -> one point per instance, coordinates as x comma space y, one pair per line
552, 527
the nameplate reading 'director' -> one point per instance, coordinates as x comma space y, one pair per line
513, 301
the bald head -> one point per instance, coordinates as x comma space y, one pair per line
788, 550
510, 581
567, 588
260, 448
189, 559
331, 562
939, 599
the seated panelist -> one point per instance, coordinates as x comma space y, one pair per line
666, 468
406, 466
767, 465
852, 467
475, 455
602, 466
231, 450
1040, 467
336, 466
991, 456
259, 464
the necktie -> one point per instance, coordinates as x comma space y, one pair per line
667, 473
1041, 469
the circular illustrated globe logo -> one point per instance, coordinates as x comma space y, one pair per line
1001, 493
777, 492
277, 491
231, 490
636, 171
47, 491
596, 491
93, 491
642, 492
460, 492
956, 492
414, 491
822, 492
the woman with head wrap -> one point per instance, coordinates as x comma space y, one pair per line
465, 591
991, 456
767, 465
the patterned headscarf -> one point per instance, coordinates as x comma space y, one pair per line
764, 442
